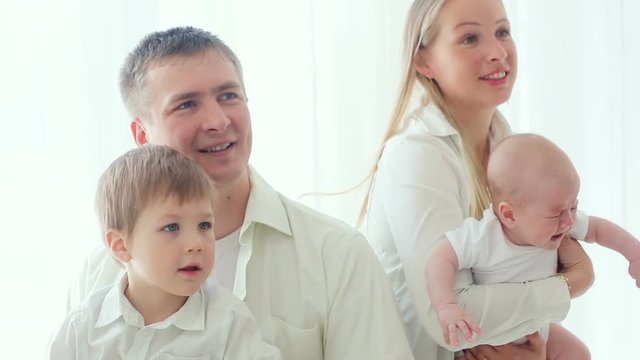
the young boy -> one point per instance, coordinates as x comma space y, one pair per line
534, 189
156, 210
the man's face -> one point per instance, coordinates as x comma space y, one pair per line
199, 108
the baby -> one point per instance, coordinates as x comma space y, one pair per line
156, 210
534, 189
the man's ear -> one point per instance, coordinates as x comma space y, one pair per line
139, 132
117, 245
421, 64
506, 214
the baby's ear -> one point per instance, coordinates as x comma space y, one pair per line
117, 245
506, 214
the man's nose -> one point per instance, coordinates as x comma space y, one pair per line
215, 118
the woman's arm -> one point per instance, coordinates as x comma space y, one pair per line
575, 266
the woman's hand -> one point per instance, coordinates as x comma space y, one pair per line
576, 266
534, 349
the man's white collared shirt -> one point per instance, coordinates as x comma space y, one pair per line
312, 282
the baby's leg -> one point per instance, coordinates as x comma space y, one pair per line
563, 345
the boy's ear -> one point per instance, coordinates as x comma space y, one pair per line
117, 245
506, 214
139, 132
421, 64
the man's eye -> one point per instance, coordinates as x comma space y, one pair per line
171, 228
228, 96
186, 105
205, 225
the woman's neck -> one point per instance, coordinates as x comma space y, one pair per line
475, 124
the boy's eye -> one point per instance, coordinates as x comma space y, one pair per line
205, 225
171, 228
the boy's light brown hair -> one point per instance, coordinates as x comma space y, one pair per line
148, 173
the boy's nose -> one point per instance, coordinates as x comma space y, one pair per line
194, 245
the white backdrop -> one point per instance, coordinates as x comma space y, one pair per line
321, 78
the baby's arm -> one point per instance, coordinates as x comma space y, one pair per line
614, 237
442, 267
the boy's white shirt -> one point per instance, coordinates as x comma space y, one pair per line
312, 282
212, 324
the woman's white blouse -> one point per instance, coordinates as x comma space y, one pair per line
421, 191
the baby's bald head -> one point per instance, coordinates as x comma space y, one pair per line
523, 165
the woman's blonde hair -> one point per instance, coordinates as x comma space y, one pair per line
420, 31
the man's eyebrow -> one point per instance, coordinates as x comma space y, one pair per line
197, 94
184, 96
226, 86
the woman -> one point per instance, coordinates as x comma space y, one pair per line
430, 175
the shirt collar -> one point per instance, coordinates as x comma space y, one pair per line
191, 316
436, 124
265, 206
433, 120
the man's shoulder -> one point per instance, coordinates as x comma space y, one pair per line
304, 217
98, 270
88, 311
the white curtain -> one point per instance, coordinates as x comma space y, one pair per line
321, 76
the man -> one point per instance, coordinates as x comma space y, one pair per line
313, 284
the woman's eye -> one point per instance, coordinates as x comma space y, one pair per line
186, 105
204, 225
171, 228
470, 39
503, 33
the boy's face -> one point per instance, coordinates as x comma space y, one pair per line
548, 215
171, 248
199, 108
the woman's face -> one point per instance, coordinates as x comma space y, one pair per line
472, 56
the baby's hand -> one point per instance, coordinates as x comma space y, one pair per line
453, 319
634, 270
